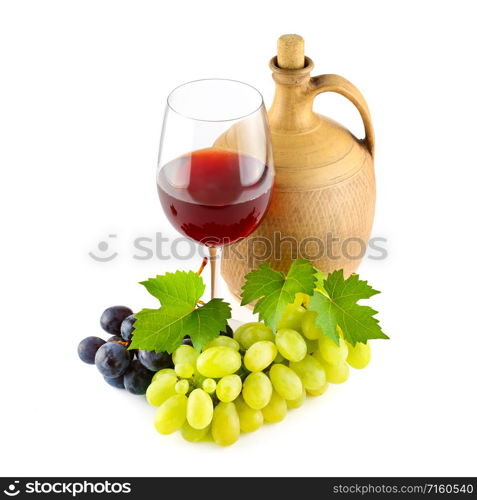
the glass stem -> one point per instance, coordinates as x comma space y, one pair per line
213, 270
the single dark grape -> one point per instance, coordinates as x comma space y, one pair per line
88, 347
117, 382
187, 341
112, 318
112, 359
228, 332
127, 327
155, 361
137, 378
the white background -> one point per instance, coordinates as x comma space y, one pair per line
82, 92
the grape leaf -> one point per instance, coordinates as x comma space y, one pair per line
206, 322
338, 307
320, 277
275, 290
163, 329
179, 287
160, 329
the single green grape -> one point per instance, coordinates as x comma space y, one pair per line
250, 419
200, 409
291, 345
291, 317
318, 392
182, 386
225, 424
229, 388
218, 361
249, 333
224, 341
185, 354
311, 373
209, 385
308, 326
285, 381
161, 389
359, 356
336, 374
164, 370
332, 353
296, 403
194, 435
184, 370
276, 410
260, 355
257, 390
171, 415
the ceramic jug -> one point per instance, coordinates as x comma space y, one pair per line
323, 202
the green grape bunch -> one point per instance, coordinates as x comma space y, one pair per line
235, 385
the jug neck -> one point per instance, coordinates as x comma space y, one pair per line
292, 108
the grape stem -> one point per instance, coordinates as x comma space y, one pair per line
202, 266
125, 344
213, 265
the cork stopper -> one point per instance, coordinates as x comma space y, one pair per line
291, 52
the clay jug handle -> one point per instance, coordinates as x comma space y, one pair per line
338, 84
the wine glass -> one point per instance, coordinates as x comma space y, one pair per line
215, 170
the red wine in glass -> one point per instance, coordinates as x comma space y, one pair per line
215, 169
214, 196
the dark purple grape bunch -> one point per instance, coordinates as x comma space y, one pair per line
116, 363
